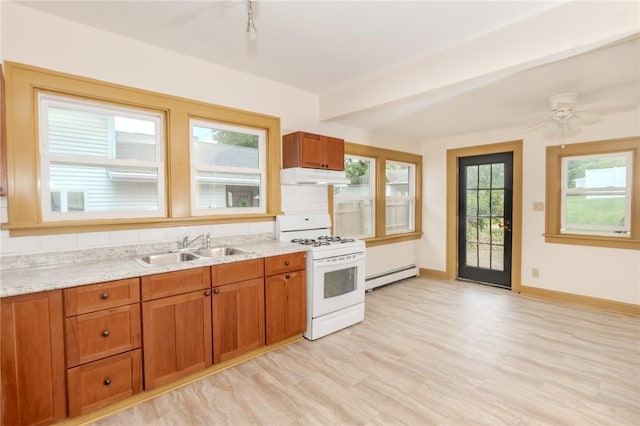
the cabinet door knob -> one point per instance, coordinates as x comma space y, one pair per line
105, 333
286, 263
287, 276
104, 296
107, 382
216, 291
207, 293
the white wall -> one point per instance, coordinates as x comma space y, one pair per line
43, 40
597, 272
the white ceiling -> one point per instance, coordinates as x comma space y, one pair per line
328, 46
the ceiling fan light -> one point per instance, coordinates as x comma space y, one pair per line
552, 127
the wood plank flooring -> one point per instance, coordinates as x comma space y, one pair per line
430, 352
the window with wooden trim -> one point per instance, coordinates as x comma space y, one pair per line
593, 194
99, 161
227, 168
87, 155
354, 203
389, 203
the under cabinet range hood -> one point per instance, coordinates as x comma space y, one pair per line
306, 176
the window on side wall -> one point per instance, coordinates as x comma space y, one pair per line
597, 195
400, 197
354, 204
99, 161
227, 168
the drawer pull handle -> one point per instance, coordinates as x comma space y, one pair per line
107, 382
216, 291
207, 293
104, 296
105, 333
286, 263
287, 276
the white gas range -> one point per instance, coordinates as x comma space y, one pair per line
335, 272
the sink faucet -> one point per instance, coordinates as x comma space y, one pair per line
185, 243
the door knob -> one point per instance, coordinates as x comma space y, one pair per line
506, 225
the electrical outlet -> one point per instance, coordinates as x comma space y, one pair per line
538, 206
535, 273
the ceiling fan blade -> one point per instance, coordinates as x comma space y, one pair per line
535, 127
588, 117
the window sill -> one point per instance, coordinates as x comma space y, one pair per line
392, 239
68, 227
593, 241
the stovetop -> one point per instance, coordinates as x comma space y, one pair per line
323, 240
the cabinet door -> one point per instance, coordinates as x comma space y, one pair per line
176, 337
238, 318
285, 306
312, 151
334, 154
32, 354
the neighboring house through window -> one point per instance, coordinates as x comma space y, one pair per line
592, 193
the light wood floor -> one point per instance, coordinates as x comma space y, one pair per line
430, 352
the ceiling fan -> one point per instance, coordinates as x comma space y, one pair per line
567, 116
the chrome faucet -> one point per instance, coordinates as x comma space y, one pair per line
185, 243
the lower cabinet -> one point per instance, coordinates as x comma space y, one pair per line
238, 309
103, 382
32, 359
176, 329
285, 296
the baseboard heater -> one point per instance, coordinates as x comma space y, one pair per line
391, 276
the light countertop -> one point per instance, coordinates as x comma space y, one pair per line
119, 265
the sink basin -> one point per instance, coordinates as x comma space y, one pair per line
220, 251
165, 258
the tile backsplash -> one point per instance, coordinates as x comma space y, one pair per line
295, 199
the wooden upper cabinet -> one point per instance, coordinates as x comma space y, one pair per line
32, 355
301, 149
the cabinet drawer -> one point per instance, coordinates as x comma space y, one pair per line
100, 334
284, 263
104, 382
91, 298
234, 272
173, 283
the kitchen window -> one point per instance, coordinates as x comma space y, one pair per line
228, 168
99, 161
105, 157
592, 194
354, 203
385, 192
400, 197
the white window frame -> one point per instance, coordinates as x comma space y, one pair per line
45, 101
609, 231
261, 170
410, 196
371, 198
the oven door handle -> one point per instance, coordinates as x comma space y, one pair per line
328, 262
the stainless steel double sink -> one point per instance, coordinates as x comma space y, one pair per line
171, 258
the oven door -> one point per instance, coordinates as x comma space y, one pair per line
337, 283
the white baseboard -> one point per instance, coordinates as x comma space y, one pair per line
388, 277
